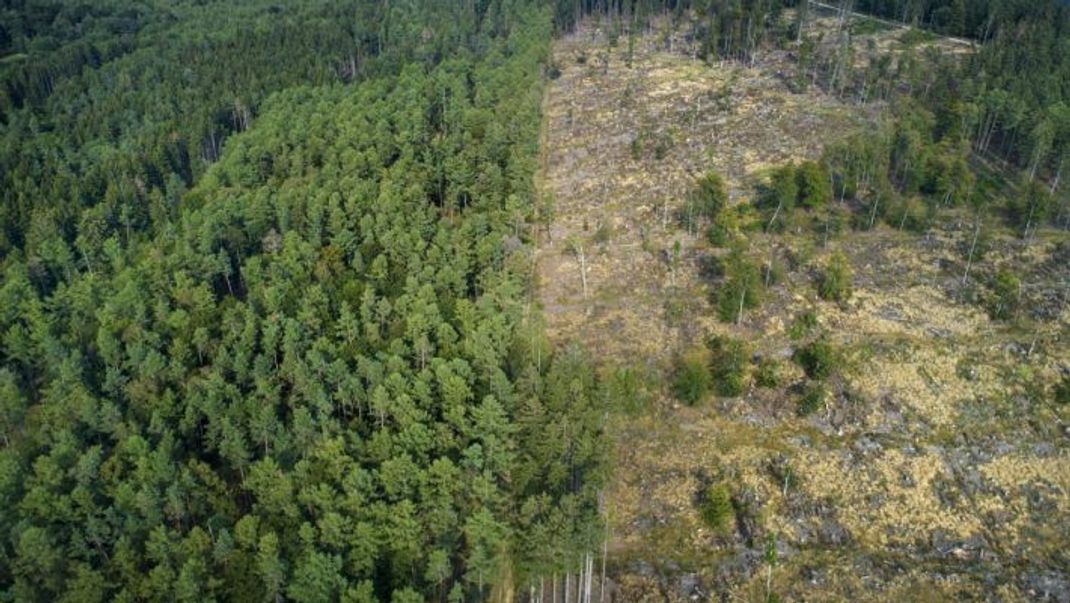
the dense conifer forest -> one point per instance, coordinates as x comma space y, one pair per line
268, 317
265, 331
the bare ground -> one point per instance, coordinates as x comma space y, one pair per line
935, 471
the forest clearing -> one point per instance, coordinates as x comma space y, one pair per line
894, 467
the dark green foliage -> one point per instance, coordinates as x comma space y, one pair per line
1031, 207
1006, 293
730, 364
1001, 102
106, 127
812, 182
818, 359
603, 234
780, 198
722, 27
1061, 392
907, 213
716, 508
691, 378
967, 18
710, 195
836, 281
724, 230
1007, 100
662, 145
767, 373
741, 288
294, 364
812, 399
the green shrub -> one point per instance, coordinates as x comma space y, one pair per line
907, 214
774, 271
722, 232
743, 283
1032, 206
836, 281
603, 234
628, 389
637, 148
1062, 391
915, 36
803, 324
716, 508
1006, 296
691, 379
777, 200
873, 209
818, 358
662, 146
829, 223
812, 181
813, 398
729, 363
768, 373
710, 195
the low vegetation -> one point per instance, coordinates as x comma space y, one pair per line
872, 189
836, 280
716, 508
691, 380
818, 359
730, 364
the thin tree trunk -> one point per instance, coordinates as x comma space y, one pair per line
1029, 221
776, 213
605, 553
583, 270
742, 297
768, 580
873, 214
973, 246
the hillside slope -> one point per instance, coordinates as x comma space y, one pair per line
930, 470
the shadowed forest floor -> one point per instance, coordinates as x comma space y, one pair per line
930, 473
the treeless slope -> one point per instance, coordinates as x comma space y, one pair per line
926, 476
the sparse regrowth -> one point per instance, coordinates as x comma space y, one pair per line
741, 288
768, 373
819, 358
730, 365
1006, 294
836, 280
716, 508
691, 377
812, 185
813, 398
